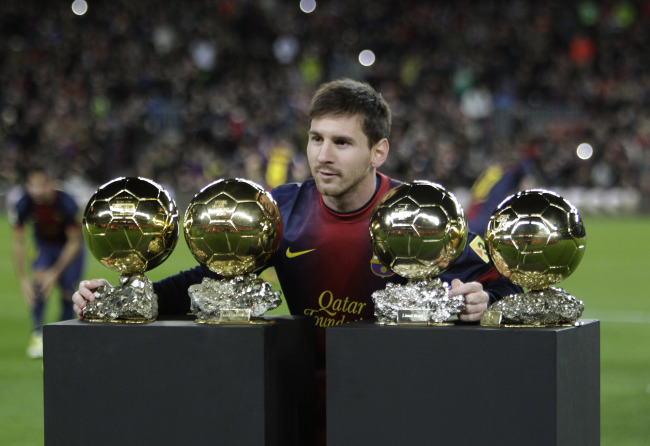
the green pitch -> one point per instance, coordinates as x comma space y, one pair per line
609, 281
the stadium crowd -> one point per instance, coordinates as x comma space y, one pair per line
186, 92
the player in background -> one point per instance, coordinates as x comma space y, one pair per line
57, 241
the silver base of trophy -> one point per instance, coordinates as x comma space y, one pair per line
241, 299
134, 301
425, 302
549, 307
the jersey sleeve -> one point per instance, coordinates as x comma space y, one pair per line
500, 288
19, 213
173, 297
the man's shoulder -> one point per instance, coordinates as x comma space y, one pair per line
23, 204
474, 255
391, 182
66, 201
63, 195
19, 209
22, 201
291, 191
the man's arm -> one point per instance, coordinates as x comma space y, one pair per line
46, 279
20, 260
173, 297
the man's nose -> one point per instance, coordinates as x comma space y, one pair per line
325, 152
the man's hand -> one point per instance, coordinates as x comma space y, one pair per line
27, 289
45, 280
476, 299
85, 294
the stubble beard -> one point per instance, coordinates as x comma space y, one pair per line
340, 187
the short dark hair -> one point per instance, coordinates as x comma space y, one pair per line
347, 97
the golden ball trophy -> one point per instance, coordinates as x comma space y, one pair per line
536, 239
131, 226
417, 230
233, 227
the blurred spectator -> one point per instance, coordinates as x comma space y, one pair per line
508, 174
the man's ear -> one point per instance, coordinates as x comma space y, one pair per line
379, 153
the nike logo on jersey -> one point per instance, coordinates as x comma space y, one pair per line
291, 255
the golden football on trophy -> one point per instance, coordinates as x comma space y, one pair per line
536, 238
233, 226
418, 229
131, 225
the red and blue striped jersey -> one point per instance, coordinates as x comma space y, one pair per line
325, 263
50, 220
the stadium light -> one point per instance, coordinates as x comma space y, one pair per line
585, 151
307, 6
79, 7
366, 58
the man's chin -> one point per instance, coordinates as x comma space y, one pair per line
328, 190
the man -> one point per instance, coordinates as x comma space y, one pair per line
57, 239
325, 262
508, 174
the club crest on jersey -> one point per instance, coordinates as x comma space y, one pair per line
478, 245
379, 269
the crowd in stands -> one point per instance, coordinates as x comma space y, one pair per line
187, 92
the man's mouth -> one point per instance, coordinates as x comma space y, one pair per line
327, 173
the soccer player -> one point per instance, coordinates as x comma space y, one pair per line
59, 249
325, 263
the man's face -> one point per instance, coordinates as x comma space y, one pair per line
339, 156
39, 187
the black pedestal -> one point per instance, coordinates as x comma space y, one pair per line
179, 382
463, 385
